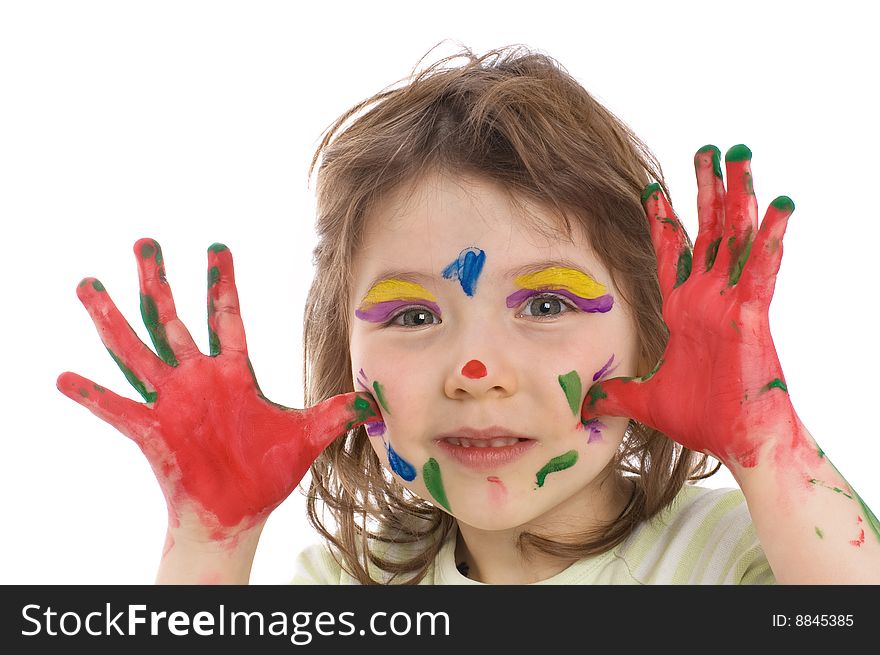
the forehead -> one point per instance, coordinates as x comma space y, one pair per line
436, 216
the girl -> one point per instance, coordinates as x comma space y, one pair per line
516, 363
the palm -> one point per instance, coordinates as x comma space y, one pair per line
218, 447
720, 376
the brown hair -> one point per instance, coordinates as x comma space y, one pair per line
517, 117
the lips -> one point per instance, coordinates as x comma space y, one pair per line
485, 450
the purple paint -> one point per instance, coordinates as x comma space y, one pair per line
598, 374
375, 429
594, 425
601, 304
383, 311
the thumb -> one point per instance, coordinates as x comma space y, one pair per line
330, 418
616, 397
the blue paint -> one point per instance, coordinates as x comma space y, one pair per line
399, 465
466, 269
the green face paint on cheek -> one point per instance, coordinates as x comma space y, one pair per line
434, 483
380, 396
556, 464
571, 385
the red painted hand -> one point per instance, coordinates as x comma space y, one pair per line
719, 387
224, 455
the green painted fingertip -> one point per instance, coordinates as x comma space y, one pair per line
716, 159
783, 203
148, 249
217, 247
82, 283
97, 286
651, 188
739, 152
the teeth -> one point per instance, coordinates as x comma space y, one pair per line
483, 443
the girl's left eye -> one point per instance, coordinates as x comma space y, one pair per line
545, 305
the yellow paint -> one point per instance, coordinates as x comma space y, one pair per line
396, 290
556, 277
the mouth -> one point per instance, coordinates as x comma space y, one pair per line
484, 450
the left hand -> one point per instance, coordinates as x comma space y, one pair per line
719, 387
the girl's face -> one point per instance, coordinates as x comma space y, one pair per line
479, 336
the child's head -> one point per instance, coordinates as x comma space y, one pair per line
483, 257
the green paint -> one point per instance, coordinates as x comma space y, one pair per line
83, 392
150, 314
737, 268
653, 371
711, 253
571, 385
147, 250
716, 159
133, 380
99, 388
362, 410
654, 187
380, 396
749, 183
434, 482
669, 221
834, 489
820, 452
869, 516
159, 259
260, 391
83, 283
775, 383
556, 464
783, 203
738, 152
819, 533
213, 276
97, 286
217, 247
736, 327
213, 342
596, 394
683, 269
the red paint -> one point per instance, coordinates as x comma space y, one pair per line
474, 369
709, 393
858, 542
497, 491
224, 456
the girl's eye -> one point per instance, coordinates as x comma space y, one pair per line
546, 305
415, 317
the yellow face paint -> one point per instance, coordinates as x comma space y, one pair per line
556, 277
396, 290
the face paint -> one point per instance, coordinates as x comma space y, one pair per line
604, 370
466, 269
861, 538
594, 425
581, 289
386, 298
819, 533
560, 463
380, 396
399, 465
434, 482
571, 385
474, 369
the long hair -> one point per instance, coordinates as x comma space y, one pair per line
515, 116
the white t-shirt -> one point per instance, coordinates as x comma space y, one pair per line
705, 536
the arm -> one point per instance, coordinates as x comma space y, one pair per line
719, 387
224, 455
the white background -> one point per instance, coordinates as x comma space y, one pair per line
195, 122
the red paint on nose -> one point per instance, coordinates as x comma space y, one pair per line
474, 369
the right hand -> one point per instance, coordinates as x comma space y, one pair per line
224, 455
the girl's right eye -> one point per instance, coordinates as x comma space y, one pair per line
414, 317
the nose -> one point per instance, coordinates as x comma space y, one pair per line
483, 377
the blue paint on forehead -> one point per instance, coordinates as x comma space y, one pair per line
466, 269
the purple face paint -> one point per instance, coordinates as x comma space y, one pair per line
466, 269
376, 429
384, 311
594, 425
601, 304
602, 371
582, 290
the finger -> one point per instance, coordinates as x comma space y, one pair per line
740, 214
759, 275
170, 337
225, 328
137, 362
130, 418
335, 416
710, 206
616, 397
671, 243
